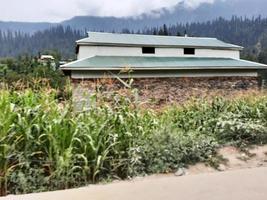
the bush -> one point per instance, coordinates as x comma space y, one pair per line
169, 149
241, 131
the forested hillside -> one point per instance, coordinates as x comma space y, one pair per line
250, 33
57, 39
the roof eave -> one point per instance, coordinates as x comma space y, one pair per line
163, 68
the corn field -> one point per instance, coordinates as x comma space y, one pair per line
46, 146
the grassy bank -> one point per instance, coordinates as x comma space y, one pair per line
46, 146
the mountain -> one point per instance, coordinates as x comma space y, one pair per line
179, 14
26, 27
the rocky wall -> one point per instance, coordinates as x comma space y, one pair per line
160, 91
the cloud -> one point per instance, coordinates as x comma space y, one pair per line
58, 10
196, 3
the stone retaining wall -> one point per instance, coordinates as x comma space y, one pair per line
167, 90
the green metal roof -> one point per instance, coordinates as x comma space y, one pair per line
98, 38
159, 63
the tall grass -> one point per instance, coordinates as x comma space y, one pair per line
46, 146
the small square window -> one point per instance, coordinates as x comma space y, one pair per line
148, 50
77, 49
189, 51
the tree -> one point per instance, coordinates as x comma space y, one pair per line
125, 30
263, 56
165, 30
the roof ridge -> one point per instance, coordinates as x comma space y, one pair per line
135, 34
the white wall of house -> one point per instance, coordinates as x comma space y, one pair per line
218, 53
89, 51
90, 75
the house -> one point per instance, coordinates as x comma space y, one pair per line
47, 57
156, 60
47, 60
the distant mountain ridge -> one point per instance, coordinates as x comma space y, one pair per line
25, 27
179, 14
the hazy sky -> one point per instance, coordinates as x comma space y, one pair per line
58, 10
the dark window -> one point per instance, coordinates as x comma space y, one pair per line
77, 49
148, 50
189, 51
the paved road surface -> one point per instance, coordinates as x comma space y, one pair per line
249, 184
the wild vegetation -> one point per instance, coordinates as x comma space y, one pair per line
27, 72
45, 145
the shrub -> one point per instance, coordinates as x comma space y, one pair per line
169, 149
241, 131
